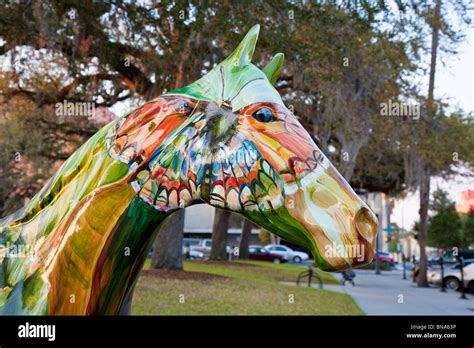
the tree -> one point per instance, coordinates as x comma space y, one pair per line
428, 145
264, 236
434, 147
445, 225
219, 234
336, 81
245, 239
167, 247
34, 142
445, 230
468, 229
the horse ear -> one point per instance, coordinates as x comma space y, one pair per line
272, 70
244, 52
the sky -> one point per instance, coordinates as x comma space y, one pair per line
454, 80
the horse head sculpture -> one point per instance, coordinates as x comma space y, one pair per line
226, 140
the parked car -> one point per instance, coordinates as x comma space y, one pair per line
192, 254
449, 261
201, 245
287, 253
467, 254
262, 254
385, 259
452, 275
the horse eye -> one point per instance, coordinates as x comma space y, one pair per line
184, 108
263, 115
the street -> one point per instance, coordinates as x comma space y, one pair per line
389, 294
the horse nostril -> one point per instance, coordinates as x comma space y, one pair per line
366, 224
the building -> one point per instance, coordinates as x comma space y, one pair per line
379, 202
466, 204
198, 222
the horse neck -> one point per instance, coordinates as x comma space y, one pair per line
72, 225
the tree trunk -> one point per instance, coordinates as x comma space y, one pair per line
423, 234
434, 53
245, 239
219, 235
425, 174
349, 154
167, 248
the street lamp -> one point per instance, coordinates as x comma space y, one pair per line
404, 267
377, 248
402, 249
443, 285
377, 212
463, 292
413, 260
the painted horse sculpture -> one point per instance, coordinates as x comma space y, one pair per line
226, 140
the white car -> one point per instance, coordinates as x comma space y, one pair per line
452, 276
200, 248
287, 253
192, 254
198, 245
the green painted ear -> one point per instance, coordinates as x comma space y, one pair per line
244, 52
272, 70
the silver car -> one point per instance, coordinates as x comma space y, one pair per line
452, 275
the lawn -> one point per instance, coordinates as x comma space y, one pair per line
235, 288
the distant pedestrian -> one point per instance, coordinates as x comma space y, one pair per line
348, 275
187, 251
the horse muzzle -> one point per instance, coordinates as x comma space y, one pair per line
341, 227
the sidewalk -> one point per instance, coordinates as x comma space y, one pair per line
389, 294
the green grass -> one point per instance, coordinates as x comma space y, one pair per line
292, 271
265, 271
249, 288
